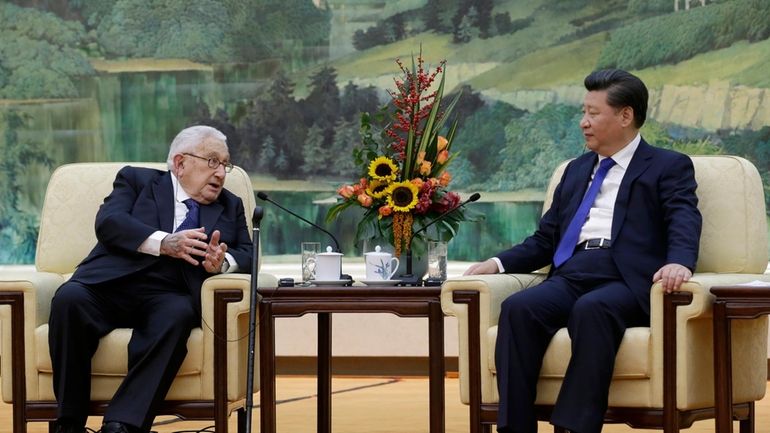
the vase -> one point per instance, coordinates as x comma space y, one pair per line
419, 259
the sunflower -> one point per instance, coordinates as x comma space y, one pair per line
383, 168
402, 196
377, 188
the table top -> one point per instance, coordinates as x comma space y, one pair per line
369, 292
753, 292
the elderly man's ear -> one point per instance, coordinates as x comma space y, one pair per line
178, 163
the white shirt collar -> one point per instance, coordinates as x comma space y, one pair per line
179, 193
623, 156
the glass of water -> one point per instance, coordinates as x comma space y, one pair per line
437, 252
309, 251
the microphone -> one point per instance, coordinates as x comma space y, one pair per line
255, 219
408, 276
264, 197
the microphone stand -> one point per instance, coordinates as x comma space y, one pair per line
257, 218
408, 279
265, 197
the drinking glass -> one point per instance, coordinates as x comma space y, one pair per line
437, 252
309, 251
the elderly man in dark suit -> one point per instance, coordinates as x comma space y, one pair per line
160, 234
623, 216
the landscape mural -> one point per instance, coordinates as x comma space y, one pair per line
287, 81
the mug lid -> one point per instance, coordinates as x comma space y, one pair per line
329, 252
377, 252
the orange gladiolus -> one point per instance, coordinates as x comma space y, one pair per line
441, 143
445, 178
425, 168
442, 156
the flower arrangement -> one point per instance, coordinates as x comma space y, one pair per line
404, 177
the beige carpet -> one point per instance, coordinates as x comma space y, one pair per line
370, 405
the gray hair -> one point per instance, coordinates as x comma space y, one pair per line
190, 138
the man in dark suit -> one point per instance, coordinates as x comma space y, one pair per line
160, 235
623, 216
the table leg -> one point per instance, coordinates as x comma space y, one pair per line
267, 368
723, 390
437, 367
324, 373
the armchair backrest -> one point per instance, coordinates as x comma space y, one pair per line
732, 203
72, 198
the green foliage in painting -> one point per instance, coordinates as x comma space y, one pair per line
679, 36
41, 56
192, 29
18, 219
535, 144
479, 144
262, 29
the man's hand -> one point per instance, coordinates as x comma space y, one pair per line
672, 276
185, 244
215, 254
485, 267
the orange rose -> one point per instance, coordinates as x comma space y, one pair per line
365, 200
385, 211
345, 191
417, 181
441, 143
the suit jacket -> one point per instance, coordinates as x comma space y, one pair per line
142, 202
656, 220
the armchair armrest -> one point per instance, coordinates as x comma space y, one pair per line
475, 301
493, 290
693, 331
35, 291
226, 332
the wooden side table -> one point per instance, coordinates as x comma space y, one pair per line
298, 301
732, 302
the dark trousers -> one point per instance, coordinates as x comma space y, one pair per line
587, 295
162, 317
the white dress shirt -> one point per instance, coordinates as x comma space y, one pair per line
599, 221
151, 245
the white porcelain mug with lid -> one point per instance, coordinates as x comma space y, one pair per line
380, 265
327, 265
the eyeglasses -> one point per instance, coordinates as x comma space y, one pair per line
213, 162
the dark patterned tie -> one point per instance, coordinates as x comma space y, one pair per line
572, 234
191, 220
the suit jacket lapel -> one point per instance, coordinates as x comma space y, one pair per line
209, 214
639, 163
163, 191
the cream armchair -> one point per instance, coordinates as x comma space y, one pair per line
663, 376
211, 382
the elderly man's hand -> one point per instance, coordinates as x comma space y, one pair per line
185, 244
215, 254
485, 267
672, 276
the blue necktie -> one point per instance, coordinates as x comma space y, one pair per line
572, 234
191, 220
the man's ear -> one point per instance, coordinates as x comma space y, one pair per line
627, 116
178, 163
